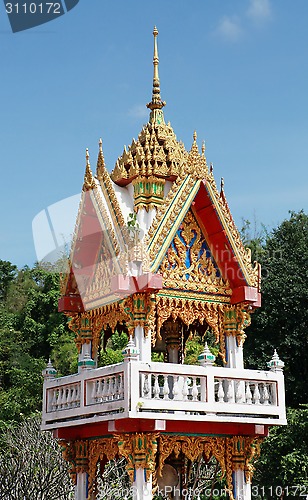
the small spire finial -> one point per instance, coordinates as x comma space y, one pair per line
203, 148
89, 181
156, 102
195, 136
100, 167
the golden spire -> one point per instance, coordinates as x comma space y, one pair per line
100, 167
156, 103
89, 181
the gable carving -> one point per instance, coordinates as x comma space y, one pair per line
188, 264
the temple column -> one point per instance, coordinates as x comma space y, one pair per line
139, 449
241, 489
143, 344
235, 320
81, 488
142, 489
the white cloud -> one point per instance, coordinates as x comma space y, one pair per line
230, 28
259, 10
139, 111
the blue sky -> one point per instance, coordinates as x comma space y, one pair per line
234, 70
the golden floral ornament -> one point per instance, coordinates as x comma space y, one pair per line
188, 264
100, 450
139, 449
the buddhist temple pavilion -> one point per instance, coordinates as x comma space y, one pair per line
156, 255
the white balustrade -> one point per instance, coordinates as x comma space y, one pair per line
245, 392
155, 390
64, 397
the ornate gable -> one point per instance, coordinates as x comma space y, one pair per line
188, 263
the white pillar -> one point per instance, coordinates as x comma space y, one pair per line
142, 489
143, 344
241, 489
81, 488
234, 353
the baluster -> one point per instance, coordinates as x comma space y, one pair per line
99, 393
108, 389
77, 395
105, 389
116, 387
54, 400
69, 396
156, 389
256, 395
146, 387
230, 392
185, 389
239, 396
248, 394
194, 389
176, 389
166, 387
64, 398
221, 392
112, 388
121, 386
93, 392
58, 401
265, 395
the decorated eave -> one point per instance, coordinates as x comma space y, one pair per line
177, 207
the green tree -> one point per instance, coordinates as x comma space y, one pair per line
31, 330
283, 463
7, 275
282, 320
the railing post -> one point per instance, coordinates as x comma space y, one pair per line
131, 355
207, 359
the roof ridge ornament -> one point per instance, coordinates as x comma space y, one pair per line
89, 181
156, 104
101, 166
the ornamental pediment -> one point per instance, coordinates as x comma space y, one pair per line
189, 264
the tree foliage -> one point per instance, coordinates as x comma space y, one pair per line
283, 463
282, 321
31, 331
31, 464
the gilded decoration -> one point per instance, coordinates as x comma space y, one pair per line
188, 264
89, 180
100, 449
76, 453
232, 453
140, 452
167, 219
109, 194
189, 311
140, 309
236, 319
148, 192
241, 451
192, 447
251, 272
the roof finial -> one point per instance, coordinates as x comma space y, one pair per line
203, 148
195, 136
89, 181
100, 167
156, 102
